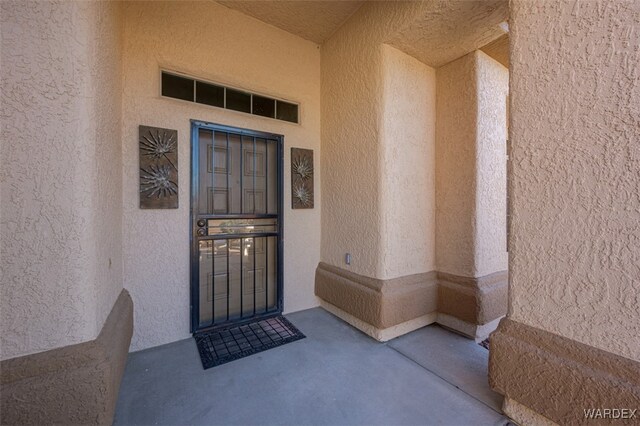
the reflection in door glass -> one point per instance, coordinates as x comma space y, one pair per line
237, 253
234, 274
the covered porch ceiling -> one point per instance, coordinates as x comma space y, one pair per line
442, 31
312, 20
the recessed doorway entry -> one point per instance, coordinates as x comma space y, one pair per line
236, 225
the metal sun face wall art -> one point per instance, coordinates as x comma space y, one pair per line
158, 149
301, 178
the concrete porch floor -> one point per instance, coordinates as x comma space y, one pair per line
336, 376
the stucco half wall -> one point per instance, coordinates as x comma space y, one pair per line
76, 384
211, 42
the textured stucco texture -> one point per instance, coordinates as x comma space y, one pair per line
447, 30
468, 305
558, 377
309, 19
490, 248
408, 191
471, 166
351, 152
380, 303
378, 131
358, 73
476, 301
60, 172
73, 385
575, 181
212, 42
456, 166
498, 50
523, 415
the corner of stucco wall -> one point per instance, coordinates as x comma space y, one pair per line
383, 225
351, 91
456, 169
574, 144
407, 178
356, 186
106, 115
57, 175
492, 83
28, 175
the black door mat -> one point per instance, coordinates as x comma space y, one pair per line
222, 346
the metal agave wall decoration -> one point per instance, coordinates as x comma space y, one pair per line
302, 195
301, 178
302, 167
158, 150
156, 181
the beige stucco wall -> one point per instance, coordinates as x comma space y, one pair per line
106, 210
359, 74
60, 174
491, 158
456, 166
209, 41
408, 137
574, 248
471, 166
378, 124
351, 92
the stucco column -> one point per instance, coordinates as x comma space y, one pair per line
471, 254
402, 295
379, 158
378, 143
65, 319
574, 304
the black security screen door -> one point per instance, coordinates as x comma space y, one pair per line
236, 225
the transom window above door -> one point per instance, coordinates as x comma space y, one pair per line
193, 90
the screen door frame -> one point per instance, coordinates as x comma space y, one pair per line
196, 126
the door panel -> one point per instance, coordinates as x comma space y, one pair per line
236, 225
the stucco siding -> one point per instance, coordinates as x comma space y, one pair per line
60, 172
471, 166
211, 42
351, 92
106, 194
408, 132
456, 167
363, 174
491, 157
574, 248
